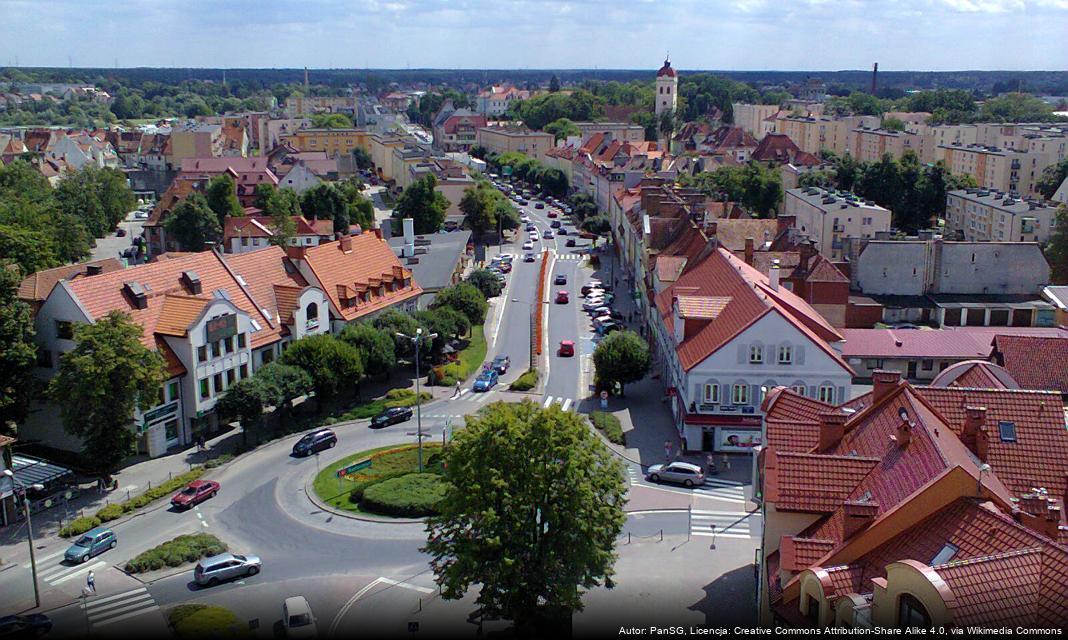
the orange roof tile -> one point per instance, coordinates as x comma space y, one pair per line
37, 286
178, 312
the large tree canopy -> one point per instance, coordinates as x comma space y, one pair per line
421, 202
17, 351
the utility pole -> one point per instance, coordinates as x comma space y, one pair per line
418, 400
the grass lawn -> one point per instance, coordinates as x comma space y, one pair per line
472, 357
395, 398
400, 460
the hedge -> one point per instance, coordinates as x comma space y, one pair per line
394, 398
526, 381
203, 620
412, 495
176, 552
78, 526
110, 512
609, 425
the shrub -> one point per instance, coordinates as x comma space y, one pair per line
412, 495
526, 381
110, 512
176, 552
609, 425
155, 493
206, 621
221, 460
399, 394
356, 494
78, 526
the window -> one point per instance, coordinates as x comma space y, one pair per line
756, 354
240, 341
740, 394
231, 376
202, 353
945, 555
205, 392
267, 356
826, 394
218, 383
216, 349
244, 371
927, 365
228, 343
172, 391
1007, 431
786, 354
64, 330
799, 389
711, 394
911, 613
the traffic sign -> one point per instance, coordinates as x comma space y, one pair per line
353, 468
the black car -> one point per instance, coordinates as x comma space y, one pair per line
501, 364
390, 416
570, 242
314, 442
34, 625
555, 224
560, 279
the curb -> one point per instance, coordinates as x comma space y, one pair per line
613, 447
352, 516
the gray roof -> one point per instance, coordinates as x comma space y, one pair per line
436, 255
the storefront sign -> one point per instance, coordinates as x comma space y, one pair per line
158, 414
737, 439
220, 328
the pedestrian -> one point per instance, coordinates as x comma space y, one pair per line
458, 389
726, 462
200, 442
100, 485
710, 461
90, 581
667, 451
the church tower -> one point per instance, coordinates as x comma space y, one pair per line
667, 89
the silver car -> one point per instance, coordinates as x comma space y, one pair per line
225, 566
683, 473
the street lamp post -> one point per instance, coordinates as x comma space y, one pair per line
29, 531
418, 400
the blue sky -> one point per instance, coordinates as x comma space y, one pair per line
628, 34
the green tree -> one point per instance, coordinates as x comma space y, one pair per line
244, 401
1057, 248
17, 351
421, 202
621, 358
374, 346
331, 121
358, 207
893, 124
221, 196
283, 383
281, 206
101, 381
34, 230
479, 206
646, 119
596, 224
762, 189
486, 282
562, 128
334, 366
583, 205
193, 223
1051, 179
530, 546
392, 322
362, 158
100, 197
466, 299
31, 250
554, 84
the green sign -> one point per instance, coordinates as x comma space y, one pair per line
220, 328
506, 170
353, 468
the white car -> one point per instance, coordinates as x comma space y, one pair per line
507, 257
528, 245
595, 303
525, 219
297, 618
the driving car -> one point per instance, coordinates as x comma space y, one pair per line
555, 224
560, 279
567, 349
91, 543
225, 566
563, 232
527, 246
141, 215
552, 214
570, 241
314, 441
681, 472
561, 297
33, 625
500, 364
539, 205
529, 257
121, 233
392, 415
297, 618
524, 218
485, 381
531, 227
548, 234
194, 493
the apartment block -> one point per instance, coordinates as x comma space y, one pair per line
828, 216
751, 117
996, 168
814, 134
334, 142
870, 145
982, 215
501, 140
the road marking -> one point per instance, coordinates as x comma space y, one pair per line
406, 585
63, 576
50, 556
725, 490
728, 524
119, 607
567, 403
348, 605
548, 401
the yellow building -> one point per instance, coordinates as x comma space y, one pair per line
502, 140
814, 134
334, 142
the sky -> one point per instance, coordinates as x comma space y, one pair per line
936, 35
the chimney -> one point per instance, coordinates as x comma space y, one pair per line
712, 228
191, 282
345, 244
749, 251
136, 293
378, 232
93, 269
974, 420
773, 275
858, 515
982, 443
883, 382
832, 428
783, 223
875, 78
806, 252
295, 253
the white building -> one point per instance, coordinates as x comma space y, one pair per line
828, 216
727, 334
985, 215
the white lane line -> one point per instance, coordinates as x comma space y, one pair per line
567, 403
406, 585
99, 601
548, 401
95, 565
348, 605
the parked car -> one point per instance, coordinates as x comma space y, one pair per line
314, 441
563, 232
225, 566
600, 311
560, 279
548, 234
593, 303
486, 381
297, 618
141, 215
539, 205
529, 257
681, 472
531, 227
608, 327
194, 493
570, 242
524, 218
33, 625
561, 297
506, 257
527, 246
567, 349
552, 214
592, 284
91, 543
555, 224
601, 319
500, 364
392, 415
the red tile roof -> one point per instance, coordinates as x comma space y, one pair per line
1035, 362
272, 280
975, 374
37, 286
792, 420
815, 483
913, 343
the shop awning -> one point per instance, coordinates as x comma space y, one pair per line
30, 471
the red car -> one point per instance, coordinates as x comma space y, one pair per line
561, 297
567, 349
194, 493
552, 214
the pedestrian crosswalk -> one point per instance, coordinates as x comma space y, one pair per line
570, 256
565, 403
59, 573
725, 490
111, 609
721, 524
633, 475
